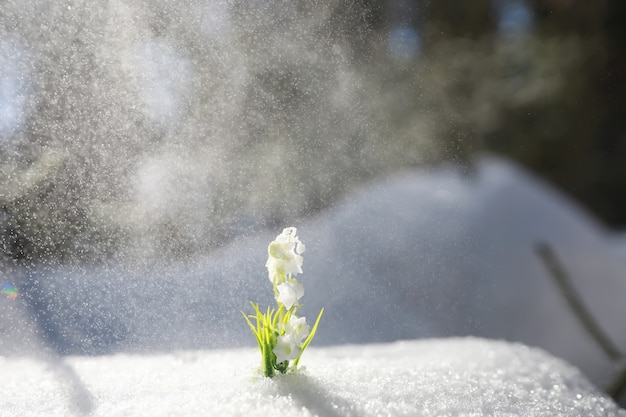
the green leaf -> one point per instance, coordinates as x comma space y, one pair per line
309, 338
256, 334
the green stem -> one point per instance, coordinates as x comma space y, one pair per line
268, 366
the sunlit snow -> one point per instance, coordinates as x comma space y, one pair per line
422, 254
454, 377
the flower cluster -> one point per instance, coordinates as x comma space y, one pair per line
281, 335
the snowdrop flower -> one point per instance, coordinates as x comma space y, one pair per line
284, 256
286, 349
289, 293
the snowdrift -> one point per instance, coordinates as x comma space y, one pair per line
453, 377
421, 254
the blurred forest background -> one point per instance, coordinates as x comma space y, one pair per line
166, 128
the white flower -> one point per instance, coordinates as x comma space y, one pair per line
289, 344
296, 328
284, 256
286, 349
289, 293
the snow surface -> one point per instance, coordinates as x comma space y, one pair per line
421, 254
446, 377
619, 242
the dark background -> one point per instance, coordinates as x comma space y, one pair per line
577, 140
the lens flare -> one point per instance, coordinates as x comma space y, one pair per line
9, 290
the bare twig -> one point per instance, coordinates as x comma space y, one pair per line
618, 384
575, 302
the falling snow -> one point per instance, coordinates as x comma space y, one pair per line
150, 150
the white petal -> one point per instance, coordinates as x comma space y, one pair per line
289, 293
297, 328
286, 349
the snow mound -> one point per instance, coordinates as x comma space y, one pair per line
451, 377
421, 254
619, 243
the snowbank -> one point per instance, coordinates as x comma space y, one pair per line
422, 254
619, 242
456, 377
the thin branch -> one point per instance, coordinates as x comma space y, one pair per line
618, 384
575, 302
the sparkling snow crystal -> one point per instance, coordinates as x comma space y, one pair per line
451, 377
